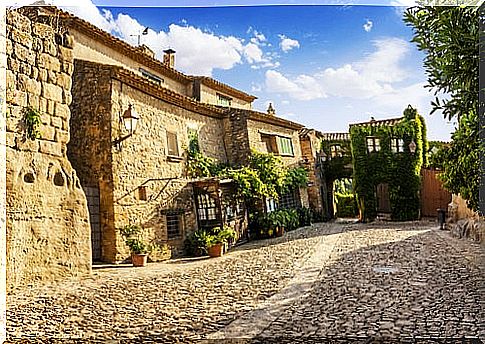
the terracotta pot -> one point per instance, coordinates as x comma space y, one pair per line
139, 259
216, 250
280, 231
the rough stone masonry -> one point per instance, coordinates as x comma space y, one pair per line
48, 234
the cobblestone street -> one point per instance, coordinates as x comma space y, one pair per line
383, 280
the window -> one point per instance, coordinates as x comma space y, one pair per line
151, 77
335, 151
142, 193
172, 145
270, 143
397, 145
174, 221
290, 200
206, 207
285, 146
373, 144
223, 100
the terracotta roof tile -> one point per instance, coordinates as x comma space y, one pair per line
380, 122
335, 136
217, 85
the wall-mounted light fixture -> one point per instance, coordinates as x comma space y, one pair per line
412, 147
130, 120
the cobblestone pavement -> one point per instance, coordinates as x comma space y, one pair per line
329, 280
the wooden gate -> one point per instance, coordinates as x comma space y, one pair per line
433, 195
383, 201
92, 196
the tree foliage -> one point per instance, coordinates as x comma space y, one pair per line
450, 38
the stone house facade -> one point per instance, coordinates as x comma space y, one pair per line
141, 177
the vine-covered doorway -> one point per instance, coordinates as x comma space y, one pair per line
383, 201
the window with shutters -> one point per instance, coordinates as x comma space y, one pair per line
223, 100
172, 144
285, 146
270, 143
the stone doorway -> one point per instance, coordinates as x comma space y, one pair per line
92, 196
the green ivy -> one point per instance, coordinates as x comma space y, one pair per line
32, 122
336, 167
400, 170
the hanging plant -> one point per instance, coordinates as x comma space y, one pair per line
32, 122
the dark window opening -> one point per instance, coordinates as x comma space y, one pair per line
152, 77
290, 200
270, 142
174, 221
172, 145
142, 193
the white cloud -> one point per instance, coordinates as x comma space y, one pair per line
368, 26
253, 53
372, 76
304, 87
287, 44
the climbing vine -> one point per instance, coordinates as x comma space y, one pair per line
401, 171
265, 176
32, 122
339, 166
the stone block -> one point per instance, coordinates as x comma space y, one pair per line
52, 92
24, 54
37, 44
51, 77
62, 110
47, 133
64, 80
25, 68
8, 47
16, 97
13, 124
10, 139
33, 101
10, 78
19, 21
50, 147
66, 54
65, 124
43, 31
67, 97
13, 64
56, 122
45, 117
29, 85
42, 74
51, 107
48, 62
24, 144
34, 73
49, 47
62, 136
21, 37
67, 67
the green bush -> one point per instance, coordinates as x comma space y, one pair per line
304, 216
346, 205
133, 239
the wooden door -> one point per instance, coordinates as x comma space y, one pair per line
383, 201
433, 195
92, 196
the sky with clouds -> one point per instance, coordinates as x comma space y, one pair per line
322, 66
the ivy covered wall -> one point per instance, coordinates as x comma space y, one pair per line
401, 171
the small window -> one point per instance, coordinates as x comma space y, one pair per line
223, 100
373, 144
397, 145
335, 151
174, 224
172, 144
142, 193
151, 77
270, 142
285, 146
207, 207
290, 200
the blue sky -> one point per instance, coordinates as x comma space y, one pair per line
322, 66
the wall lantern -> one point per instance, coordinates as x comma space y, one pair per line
412, 147
130, 119
323, 156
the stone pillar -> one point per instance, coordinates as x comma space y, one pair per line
48, 233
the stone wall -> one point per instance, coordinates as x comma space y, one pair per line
48, 234
209, 96
309, 146
236, 137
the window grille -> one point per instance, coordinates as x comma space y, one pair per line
290, 200
397, 145
207, 207
373, 144
174, 223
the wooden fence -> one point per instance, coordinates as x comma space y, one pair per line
433, 195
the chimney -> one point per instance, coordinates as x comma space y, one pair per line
169, 58
271, 110
146, 50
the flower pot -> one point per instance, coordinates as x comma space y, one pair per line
216, 250
139, 259
280, 231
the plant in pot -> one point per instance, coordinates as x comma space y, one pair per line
277, 222
217, 239
138, 247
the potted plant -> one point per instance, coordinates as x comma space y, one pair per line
218, 239
138, 247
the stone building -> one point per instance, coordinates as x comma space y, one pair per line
48, 234
139, 175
